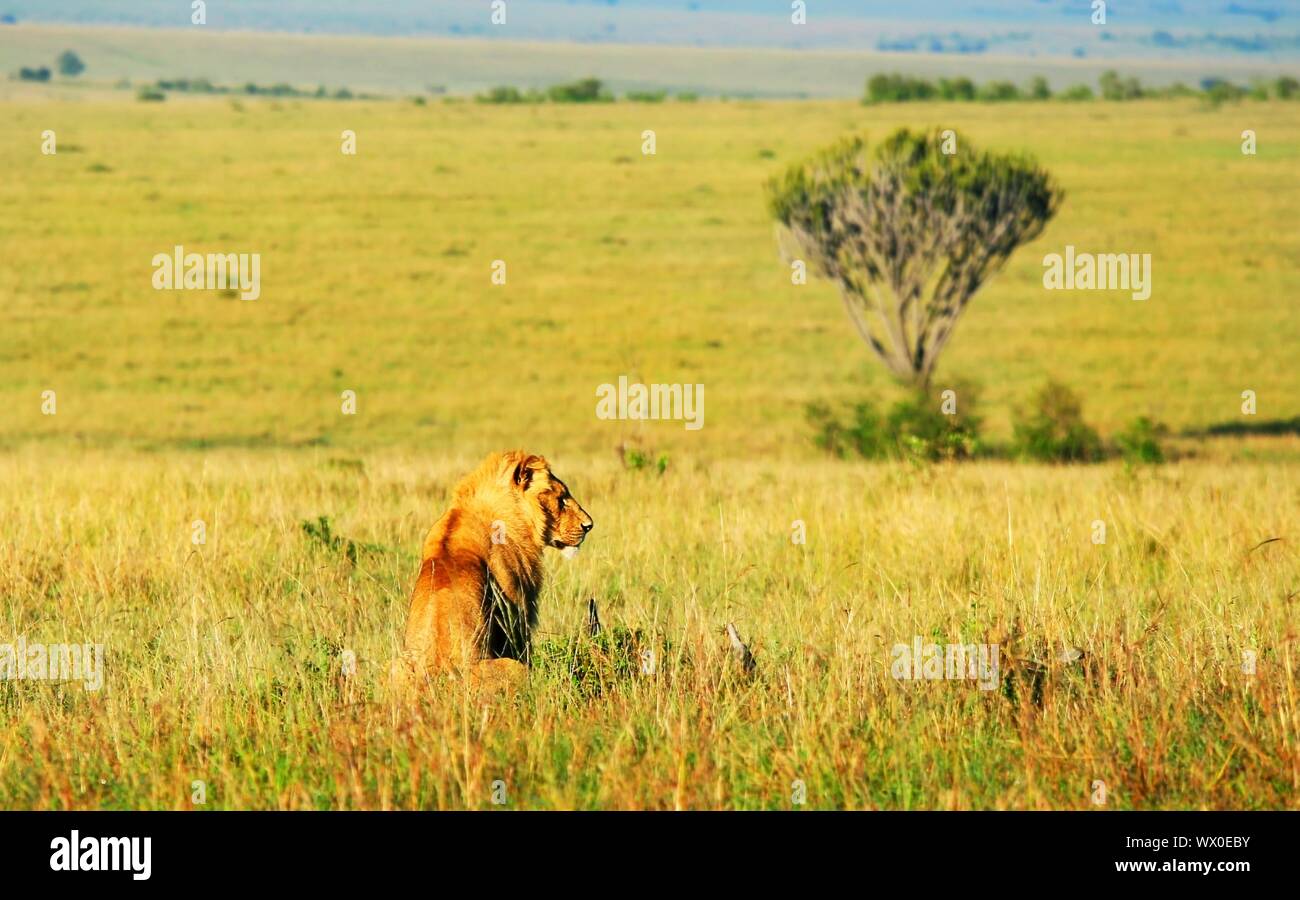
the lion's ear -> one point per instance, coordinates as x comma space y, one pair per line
527, 467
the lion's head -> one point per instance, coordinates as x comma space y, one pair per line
561, 521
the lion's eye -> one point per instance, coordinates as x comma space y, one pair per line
561, 503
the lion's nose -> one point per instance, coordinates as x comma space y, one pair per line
587, 526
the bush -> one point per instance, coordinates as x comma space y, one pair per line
586, 90
862, 433
198, 86
914, 428
921, 430
70, 65
41, 74
1140, 441
1054, 430
150, 95
961, 89
647, 96
999, 91
1219, 91
687, 97
1113, 87
897, 88
501, 94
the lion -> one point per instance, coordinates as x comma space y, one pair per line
475, 601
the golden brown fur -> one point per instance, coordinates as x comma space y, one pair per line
475, 601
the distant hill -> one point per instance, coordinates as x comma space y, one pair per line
1265, 30
465, 65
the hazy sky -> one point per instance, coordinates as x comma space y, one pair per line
1258, 29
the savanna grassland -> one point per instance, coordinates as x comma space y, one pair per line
223, 659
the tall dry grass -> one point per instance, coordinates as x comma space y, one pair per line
224, 661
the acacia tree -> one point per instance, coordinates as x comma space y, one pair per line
909, 233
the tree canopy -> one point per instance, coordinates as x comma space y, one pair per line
909, 232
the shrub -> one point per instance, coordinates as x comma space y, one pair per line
150, 95
862, 433
1219, 91
501, 94
586, 90
1039, 89
647, 96
897, 88
961, 89
1113, 87
70, 65
1286, 87
914, 428
1078, 92
687, 97
1054, 430
198, 86
999, 91
41, 74
1140, 441
920, 429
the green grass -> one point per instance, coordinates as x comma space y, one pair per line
376, 271
223, 659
